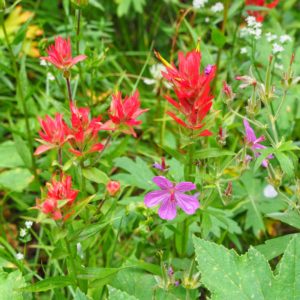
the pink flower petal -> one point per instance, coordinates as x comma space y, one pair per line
43, 148
162, 182
189, 204
155, 197
250, 135
167, 210
185, 186
78, 58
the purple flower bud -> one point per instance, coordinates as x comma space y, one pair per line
208, 69
170, 271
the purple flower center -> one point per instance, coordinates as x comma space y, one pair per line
208, 70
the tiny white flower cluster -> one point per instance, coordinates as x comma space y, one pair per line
278, 46
219, 6
244, 50
50, 76
23, 231
199, 3
253, 28
19, 256
44, 63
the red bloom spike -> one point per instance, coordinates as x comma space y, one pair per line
60, 197
123, 113
260, 15
60, 54
192, 88
54, 133
84, 131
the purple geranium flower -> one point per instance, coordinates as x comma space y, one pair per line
254, 143
170, 196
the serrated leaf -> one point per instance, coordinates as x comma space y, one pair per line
230, 276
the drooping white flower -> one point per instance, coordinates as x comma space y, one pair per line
28, 224
199, 3
23, 232
19, 256
244, 50
285, 38
271, 37
219, 6
50, 76
277, 48
270, 192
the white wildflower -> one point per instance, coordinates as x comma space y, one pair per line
271, 37
28, 224
217, 7
285, 38
244, 50
50, 76
23, 232
199, 3
277, 48
207, 19
270, 192
155, 72
19, 256
253, 28
43, 62
251, 21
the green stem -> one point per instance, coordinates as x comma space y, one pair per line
21, 95
74, 271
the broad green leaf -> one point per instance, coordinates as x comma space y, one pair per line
23, 151
139, 175
10, 283
80, 295
95, 175
285, 163
16, 180
115, 294
49, 284
9, 157
230, 276
98, 273
274, 247
290, 217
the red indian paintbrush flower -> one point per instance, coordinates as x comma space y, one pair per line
84, 131
60, 54
59, 199
123, 113
260, 15
192, 89
54, 133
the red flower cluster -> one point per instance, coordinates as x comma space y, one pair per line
60, 54
259, 15
192, 89
84, 131
82, 136
54, 133
60, 197
123, 113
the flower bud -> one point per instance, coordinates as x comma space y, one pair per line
80, 3
113, 187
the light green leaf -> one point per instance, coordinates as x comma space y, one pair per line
285, 163
9, 157
218, 37
16, 179
115, 294
10, 283
290, 217
95, 175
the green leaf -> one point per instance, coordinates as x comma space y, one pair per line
115, 294
49, 284
80, 295
290, 217
95, 175
10, 284
16, 180
285, 163
9, 157
218, 37
264, 153
139, 173
98, 273
212, 153
23, 151
230, 276
274, 247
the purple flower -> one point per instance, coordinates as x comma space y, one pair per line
169, 196
254, 143
208, 70
162, 167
